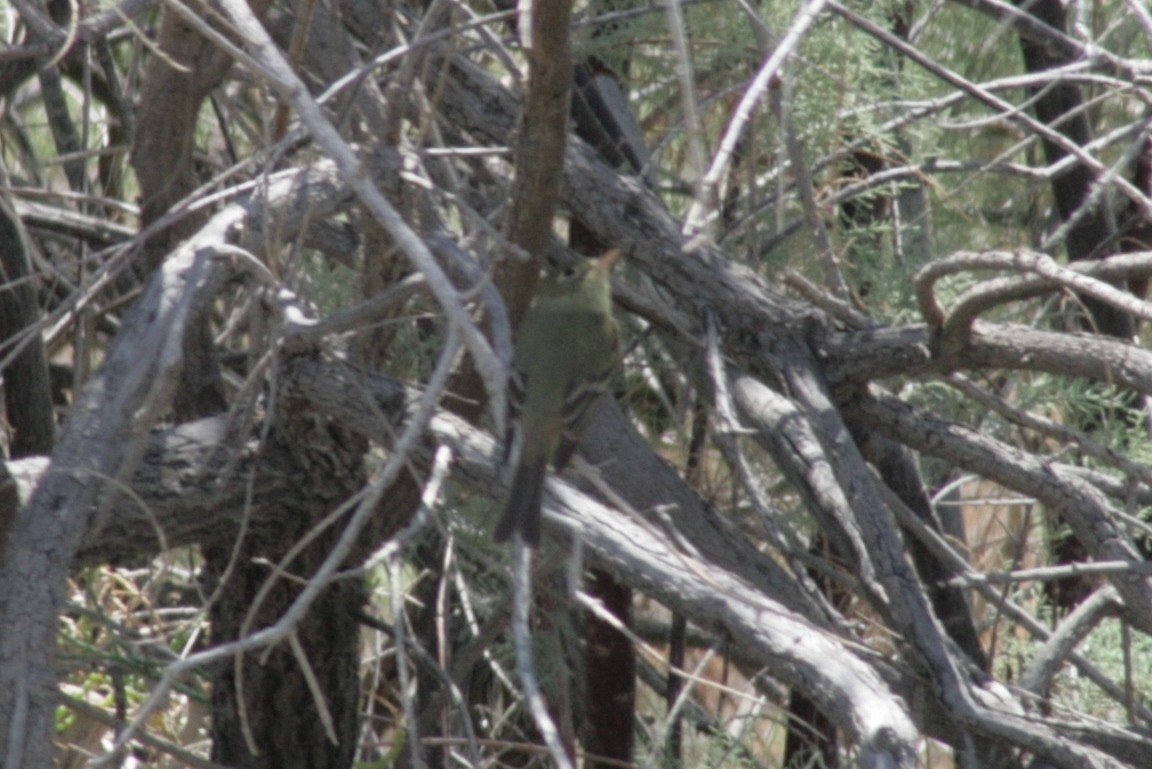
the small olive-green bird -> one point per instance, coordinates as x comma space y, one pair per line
566, 355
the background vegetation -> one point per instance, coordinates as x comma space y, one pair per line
873, 486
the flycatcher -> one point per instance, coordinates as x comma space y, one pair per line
566, 355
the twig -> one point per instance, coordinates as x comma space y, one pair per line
782, 101
943, 550
981, 94
268, 62
1050, 573
164, 746
755, 91
1037, 676
703, 206
525, 664
1048, 427
838, 308
363, 507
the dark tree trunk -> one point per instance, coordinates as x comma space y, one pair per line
279, 710
265, 694
1060, 105
162, 158
900, 473
27, 391
812, 738
610, 675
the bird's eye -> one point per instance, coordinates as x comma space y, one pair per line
569, 272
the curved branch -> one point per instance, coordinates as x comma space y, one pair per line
1080, 277
1037, 676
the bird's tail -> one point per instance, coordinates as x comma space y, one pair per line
522, 513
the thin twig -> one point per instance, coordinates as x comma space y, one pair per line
525, 661
753, 94
267, 61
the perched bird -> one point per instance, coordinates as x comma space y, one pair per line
566, 354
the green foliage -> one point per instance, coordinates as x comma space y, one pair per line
116, 644
1121, 655
858, 110
328, 284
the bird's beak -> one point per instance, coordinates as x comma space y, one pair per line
609, 260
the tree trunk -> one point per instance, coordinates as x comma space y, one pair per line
266, 714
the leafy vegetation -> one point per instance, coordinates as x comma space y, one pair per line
881, 429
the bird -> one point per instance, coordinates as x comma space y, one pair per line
566, 355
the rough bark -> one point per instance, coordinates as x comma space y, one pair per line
104, 439
297, 704
781, 372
